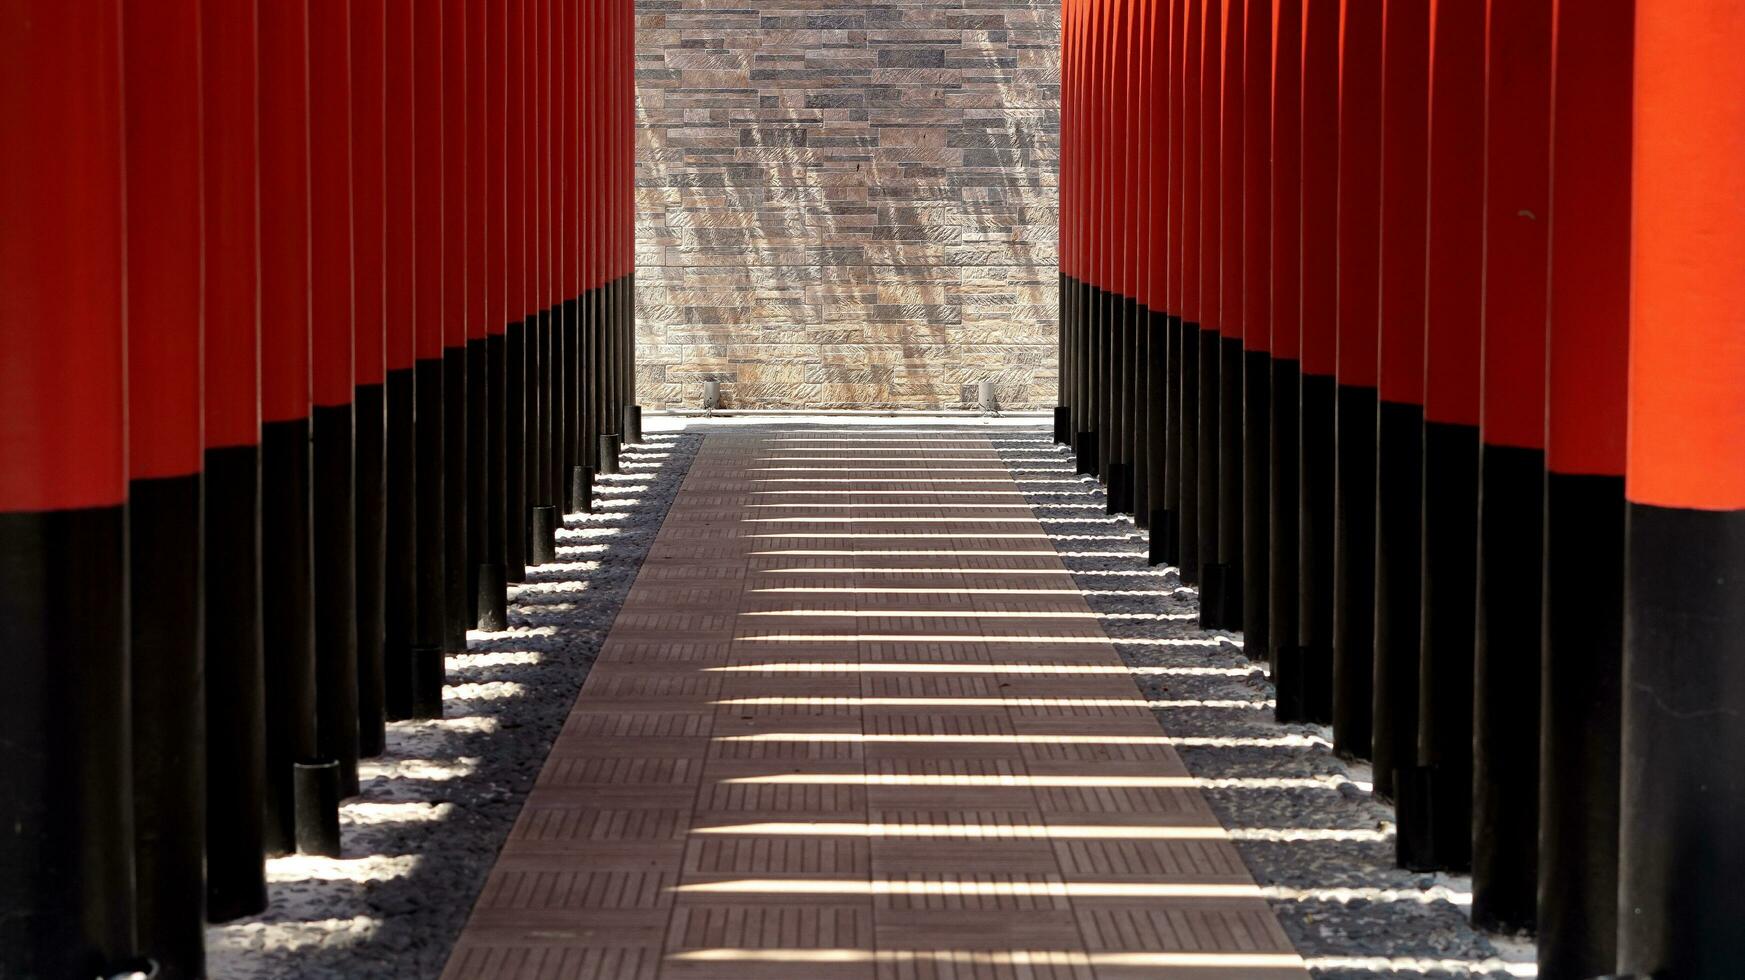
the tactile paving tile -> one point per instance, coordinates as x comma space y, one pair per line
856, 720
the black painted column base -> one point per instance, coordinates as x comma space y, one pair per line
236, 884
335, 540
1215, 597
581, 490
542, 536
1085, 454
1508, 652
429, 673
454, 495
1682, 853
287, 620
1303, 679
370, 464
1431, 835
1398, 582
609, 448
1162, 541
318, 785
1062, 425
1579, 725
492, 590
1119, 495
1448, 599
1354, 571
169, 786
632, 425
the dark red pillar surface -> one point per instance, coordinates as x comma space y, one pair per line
161, 55
235, 686
66, 860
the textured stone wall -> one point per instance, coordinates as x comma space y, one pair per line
847, 204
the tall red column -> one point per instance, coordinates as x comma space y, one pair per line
1187, 375
1286, 331
481, 589
1359, 268
517, 381
369, 192
1320, 322
66, 894
1209, 350
332, 418
235, 686
287, 576
457, 392
1437, 802
1405, 96
497, 516
1257, 156
1511, 464
426, 665
1221, 593
404, 556
1586, 410
161, 53
1684, 641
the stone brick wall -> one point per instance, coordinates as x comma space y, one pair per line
847, 204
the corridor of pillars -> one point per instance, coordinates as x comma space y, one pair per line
314, 316
1411, 330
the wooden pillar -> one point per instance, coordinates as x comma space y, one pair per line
1684, 643
235, 685
1586, 417
66, 899
1359, 269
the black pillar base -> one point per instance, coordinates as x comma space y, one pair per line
1162, 543
318, 790
1215, 597
1085, 453
1303, 678
492, 589
609, 454
632, 426
236, 884
1119, 494
429, 673
1435, 818
581, 490
1062, 425
542, 534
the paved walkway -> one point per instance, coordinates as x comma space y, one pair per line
855, 720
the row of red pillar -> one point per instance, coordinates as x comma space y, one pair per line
1411, 329
314, 317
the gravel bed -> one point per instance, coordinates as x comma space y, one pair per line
1319, 841
438, 804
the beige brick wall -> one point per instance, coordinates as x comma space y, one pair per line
847, 204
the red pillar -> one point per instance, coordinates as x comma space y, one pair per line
1286, 331
64, 743
515, 293
1586, 408
161, 55
1511, 464
403, 561
1359, 268
1187, 376
1405, 95
235, 687
287, 577
457, 390
334, 385
499, 519
426, 662
1439, 800
1221, 595
1209, 571
1257, 155
369, 317
1320, 297
1684, 645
